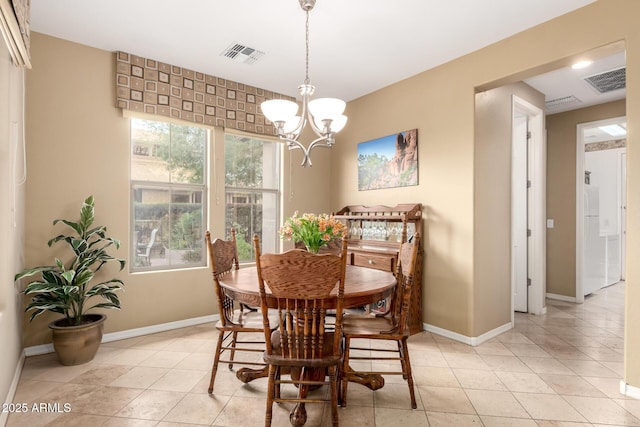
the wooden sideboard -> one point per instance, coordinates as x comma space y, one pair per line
375, 236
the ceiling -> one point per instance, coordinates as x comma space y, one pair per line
356, 46
567, 89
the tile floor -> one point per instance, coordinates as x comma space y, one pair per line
560, 369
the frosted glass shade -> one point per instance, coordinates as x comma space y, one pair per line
326, 108
279, 110
291, 125
337, 124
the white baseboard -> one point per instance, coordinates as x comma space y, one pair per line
132, 333
561, 297
472, 341
12, 389
629, 390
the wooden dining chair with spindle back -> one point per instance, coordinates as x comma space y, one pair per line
301, 286
234, 319
392, 326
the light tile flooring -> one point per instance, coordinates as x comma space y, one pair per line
559, 369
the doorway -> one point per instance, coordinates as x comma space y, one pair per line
528, 207
600, 205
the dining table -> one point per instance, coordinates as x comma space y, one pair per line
362, 286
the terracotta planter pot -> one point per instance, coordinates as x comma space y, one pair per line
76, 345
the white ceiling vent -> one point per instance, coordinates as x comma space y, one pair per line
563, 102
242, 53
609, 80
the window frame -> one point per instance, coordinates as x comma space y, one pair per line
277, 192
171, 187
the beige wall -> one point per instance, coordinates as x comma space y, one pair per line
11, 223
561, 192
492, 209
440, 103
78, 144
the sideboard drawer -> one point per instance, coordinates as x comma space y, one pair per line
379, 262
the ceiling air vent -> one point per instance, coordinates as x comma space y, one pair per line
563, 102
609, 80
241, 53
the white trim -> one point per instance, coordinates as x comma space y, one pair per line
472, 341
629, 390
132, 333
537, 206
12, 389
561, 297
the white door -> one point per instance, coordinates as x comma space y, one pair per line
519, 210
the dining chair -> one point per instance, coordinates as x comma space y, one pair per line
234, 320
392, 326
303, 345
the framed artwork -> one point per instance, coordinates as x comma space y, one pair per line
390, 161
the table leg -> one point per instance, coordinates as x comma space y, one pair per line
246, 375
371, 381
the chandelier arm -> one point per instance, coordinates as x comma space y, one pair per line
312, 122
293, 144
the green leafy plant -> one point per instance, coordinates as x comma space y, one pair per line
66, 289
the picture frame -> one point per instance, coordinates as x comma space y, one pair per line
388, 162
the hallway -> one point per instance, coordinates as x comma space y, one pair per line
560, 369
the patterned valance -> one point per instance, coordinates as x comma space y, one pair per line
153, 87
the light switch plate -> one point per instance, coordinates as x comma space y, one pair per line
550, 223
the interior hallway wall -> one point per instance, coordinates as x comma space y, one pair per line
561, 191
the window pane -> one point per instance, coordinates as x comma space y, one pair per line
168, 226
250, 163
187, 154
151, 225
163, 152
252, 213
150, 151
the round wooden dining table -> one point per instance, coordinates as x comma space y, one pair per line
362, 286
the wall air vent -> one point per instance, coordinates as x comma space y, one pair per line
609, 80
242, 53
563, 102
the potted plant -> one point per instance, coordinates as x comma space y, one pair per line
314, 231
66, 288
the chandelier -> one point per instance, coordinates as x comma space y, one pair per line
324, 115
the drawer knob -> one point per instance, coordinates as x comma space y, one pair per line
371, 262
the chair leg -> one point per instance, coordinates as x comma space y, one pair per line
277, 386
270, 393
344, 381
333, 378
407, 365
233, 349
402, 360
216, 359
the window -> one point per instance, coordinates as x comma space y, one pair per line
168, 192
252, 198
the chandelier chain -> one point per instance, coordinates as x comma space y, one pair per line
306, 80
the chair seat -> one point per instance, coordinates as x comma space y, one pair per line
249, 320
327, 358
370, 327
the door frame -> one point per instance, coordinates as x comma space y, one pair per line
580, 127
537, 207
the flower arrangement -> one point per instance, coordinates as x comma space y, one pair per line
313, 230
